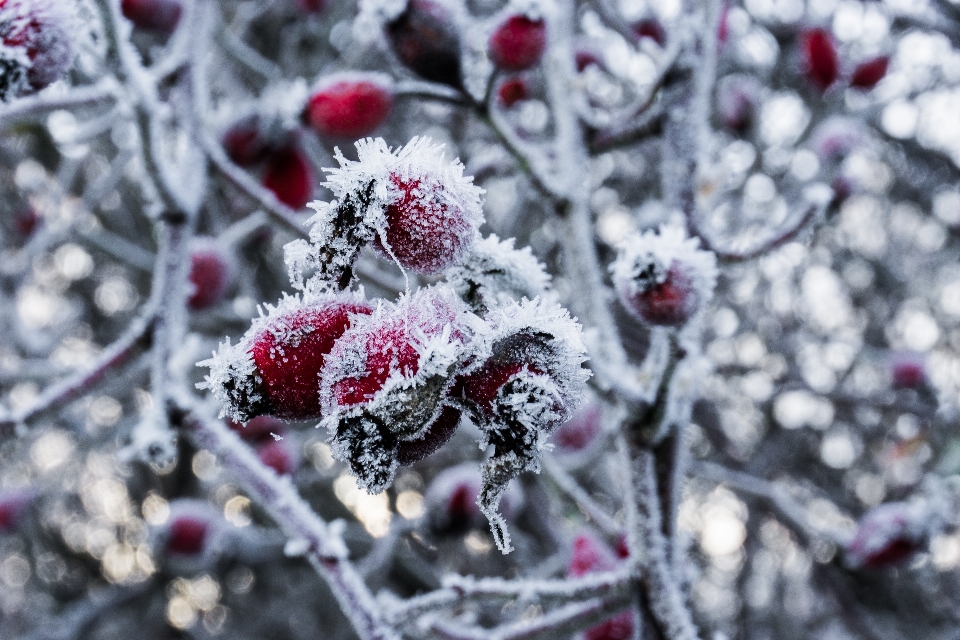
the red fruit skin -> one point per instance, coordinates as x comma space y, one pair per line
187, 536
290, 370
585, 57
518, 43
289, 176
154, 15
869, 73
312, 6
650, 28
908, 373
245, 143
211, 275
258, 429
26, 222
513, 91
821, 65
422, 234
723, 27
47, 46
277, 455
619, 627
349, 109
669, 304
425, 39
438, 434
388, 350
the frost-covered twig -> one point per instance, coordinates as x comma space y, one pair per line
33, 107
322, 545
568, 619
431, 90
778, 239
594, 511
459, 589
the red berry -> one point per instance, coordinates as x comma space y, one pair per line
586, 55
650, 28
619, 627
258, 429
426, 40
13, 504
349, 106
670, 303
580, 431
518, 43
186, 535
211, 273
869, 73
26, 222
908, 372
278, 455
245, 143
821, 64
887, 535
289, 176
312, 6
438, 434
289, 352
590, 555
155, 15
513, 91
426, 230
41, 31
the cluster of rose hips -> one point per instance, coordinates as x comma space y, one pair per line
392, 380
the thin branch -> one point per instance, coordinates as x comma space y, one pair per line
588, 505
33, 107
778, 239
429, 90
324, 549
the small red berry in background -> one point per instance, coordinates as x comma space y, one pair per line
245, 143
650, 28
587, 54
40, 32
13, 505
155, 15
211, 273
451, 498
349, 105
513, 91
907, 371
579, 432
869, 73
187, 535
426, 40
590, 555
311, 6
669, 303
723, 26
258, 429
887, 535
26, 222
821, 65
518, 43
279, 456
289, 176
737, 99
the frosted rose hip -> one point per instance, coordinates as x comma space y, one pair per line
426, 40
289, 176
258, 429
35, 45
311, 6
349, 105
518, 43
14, 504
245, 143
156, 15
279, 455
186, 535
821, 65
275, 368
211, 273
663, 278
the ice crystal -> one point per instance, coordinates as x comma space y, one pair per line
493, 273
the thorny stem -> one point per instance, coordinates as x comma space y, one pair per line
324, 549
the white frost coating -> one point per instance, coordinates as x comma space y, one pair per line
282, 102
493, 273
233, 374
645, 258
381, 80
890, 523
533, 9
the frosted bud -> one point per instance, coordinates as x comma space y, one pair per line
493, 272
663, 278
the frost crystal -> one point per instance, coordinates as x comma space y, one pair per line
419, 207
664, 278
385, 380
494, 273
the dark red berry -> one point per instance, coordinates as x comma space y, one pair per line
513, 91
737, 100
908, 372
518, 43
349, 108
670, 303
619, 627
869, 73
887, 535
211, 274
426, 231
312, 6
437, 434
580, 431
289, 176
13, 505
278, 455
289, 352
259, 428
245, 143
26, 222
723, 27
186, 535
425, 39
821, 65
590, 555
155, 15
650, 28
587, 55
43, 35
